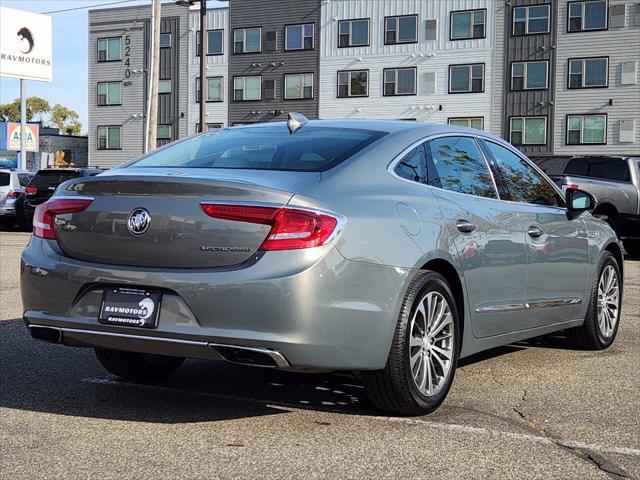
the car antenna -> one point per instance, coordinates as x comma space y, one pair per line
296, 121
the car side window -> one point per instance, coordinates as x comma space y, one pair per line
458, 166
413, 166
524, 183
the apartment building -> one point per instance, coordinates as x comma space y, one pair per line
597, 95
217, 49
555, 77
273, 67
408, 60
119, 41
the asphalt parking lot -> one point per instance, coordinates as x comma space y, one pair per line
532, 410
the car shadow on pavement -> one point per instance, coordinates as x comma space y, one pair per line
40, 377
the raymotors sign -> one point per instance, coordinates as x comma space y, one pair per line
25, 45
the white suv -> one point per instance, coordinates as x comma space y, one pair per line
12, 185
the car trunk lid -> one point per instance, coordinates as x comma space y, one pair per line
179, 234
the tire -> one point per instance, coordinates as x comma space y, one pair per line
137, 366
591, 335
396, 388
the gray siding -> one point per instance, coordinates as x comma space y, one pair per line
619, 102
252, 13
131, 21
529, 48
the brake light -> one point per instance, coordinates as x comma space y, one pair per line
31, 190
291, 228
572, 186
45, 213
13, 194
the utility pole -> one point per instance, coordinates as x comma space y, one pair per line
153, 78
204, 84
23, 124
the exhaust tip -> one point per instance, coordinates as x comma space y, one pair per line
46, 334
257, 357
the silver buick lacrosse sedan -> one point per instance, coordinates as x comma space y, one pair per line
388, 248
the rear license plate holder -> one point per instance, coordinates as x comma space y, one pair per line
130, 307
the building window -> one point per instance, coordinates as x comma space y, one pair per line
586, 129
353, 33
165, 40
210, 126
466, 78
298, 37
215, 42
163, 132
247, 88
528, 130
214, 89
109, 93
587, 15
588, 72
401, 29
247, 40
531, 20
399, 81
109, 49
353, 83
529, 75
164, 86
470, 122
110, 137
298, 86
467, 24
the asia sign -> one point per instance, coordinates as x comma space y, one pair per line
10, 136
25, 45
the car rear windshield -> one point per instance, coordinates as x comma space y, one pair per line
44, 178
5, 179
310, 149
615, 169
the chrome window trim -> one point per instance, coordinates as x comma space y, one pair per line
397, 158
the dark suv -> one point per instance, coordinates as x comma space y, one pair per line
45, 182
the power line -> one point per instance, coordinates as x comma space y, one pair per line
91, 6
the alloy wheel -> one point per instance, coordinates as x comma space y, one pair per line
431, 343
608, 301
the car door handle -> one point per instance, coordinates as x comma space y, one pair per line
535, 231
465, 226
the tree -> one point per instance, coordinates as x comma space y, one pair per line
65, 119
39, 110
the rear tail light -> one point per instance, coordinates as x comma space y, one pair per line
45, 213
31, 190
291, 228
572, 186
13, 194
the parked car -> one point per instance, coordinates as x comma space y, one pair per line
12, 184
615, 182
321, 245
45, 183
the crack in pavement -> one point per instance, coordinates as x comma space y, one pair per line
600, 462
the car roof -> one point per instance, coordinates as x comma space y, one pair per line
388, 126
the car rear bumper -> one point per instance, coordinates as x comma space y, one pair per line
305, 309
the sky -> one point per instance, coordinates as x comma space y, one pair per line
70, 57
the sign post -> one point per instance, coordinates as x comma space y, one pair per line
25, 53
23, 124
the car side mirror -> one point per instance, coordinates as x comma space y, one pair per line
578, 201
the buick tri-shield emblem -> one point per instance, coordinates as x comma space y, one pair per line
139, 221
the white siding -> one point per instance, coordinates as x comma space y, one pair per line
426, 55
217, 66
499, 90
620, 45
